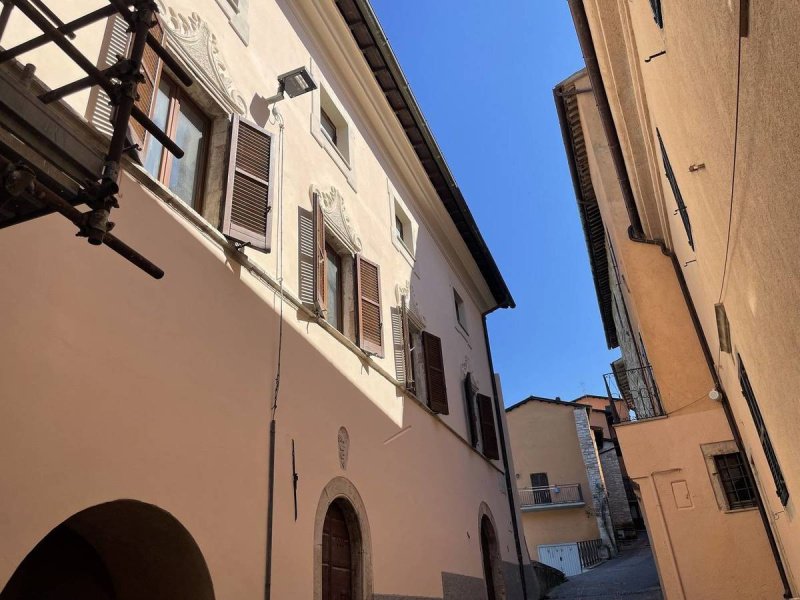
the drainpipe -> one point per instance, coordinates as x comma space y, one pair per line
510, 490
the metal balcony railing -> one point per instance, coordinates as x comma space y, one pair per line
637, 387
551, 496
590, 552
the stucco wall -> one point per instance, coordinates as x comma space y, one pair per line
701, 550
665, 453
544, 438
692, 95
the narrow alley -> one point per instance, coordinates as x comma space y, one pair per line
632, 574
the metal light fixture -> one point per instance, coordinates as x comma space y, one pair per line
293, 83
296, 82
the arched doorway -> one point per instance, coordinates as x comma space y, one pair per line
121, 550
342, 547
492, 563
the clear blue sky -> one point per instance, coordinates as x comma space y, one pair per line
483, 73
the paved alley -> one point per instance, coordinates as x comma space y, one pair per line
631, 575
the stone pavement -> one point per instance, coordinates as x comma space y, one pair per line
630, 576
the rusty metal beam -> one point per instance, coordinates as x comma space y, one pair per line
68, 28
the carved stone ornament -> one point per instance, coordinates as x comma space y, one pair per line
343, 442
466, 367
404, 291
337, 219
194, 45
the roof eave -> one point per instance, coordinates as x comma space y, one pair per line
594, 234
401, 100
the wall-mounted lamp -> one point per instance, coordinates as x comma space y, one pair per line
293, 83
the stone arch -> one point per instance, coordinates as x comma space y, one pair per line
345, 494
119, 550
490, 554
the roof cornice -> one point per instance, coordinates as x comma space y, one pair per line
368, 35
565, 96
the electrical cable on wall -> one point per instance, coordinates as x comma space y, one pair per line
733, 173
279, 121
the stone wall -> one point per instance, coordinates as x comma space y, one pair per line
615, 488
599, 498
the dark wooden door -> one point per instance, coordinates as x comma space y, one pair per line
337, 557
540, 496
486, 551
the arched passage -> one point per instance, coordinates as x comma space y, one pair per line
490, 557
120, 550
342, 547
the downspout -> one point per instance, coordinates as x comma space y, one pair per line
637, 235
510, 491
596, 77
737, 436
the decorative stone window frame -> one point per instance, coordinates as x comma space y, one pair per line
709, 452
357, 522
341, 235
398, 209
194, 46
238, 12
343, 153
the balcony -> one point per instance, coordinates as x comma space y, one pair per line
633, 393
548, 497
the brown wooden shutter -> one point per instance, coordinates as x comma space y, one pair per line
248, 192
469, 407
488, 430
370, 324
146, 90
434, 374
320, 259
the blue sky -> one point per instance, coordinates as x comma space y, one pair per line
483, 73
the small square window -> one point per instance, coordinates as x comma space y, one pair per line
399, 227
328, 127
402, 228
460, 311
334, 125
738, 488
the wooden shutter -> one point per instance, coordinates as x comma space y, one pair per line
320, 259
370, 324
434, 374
407, 358
115, 43
398, 345
248, 192
488, 430
146, 90
401, 342
469, 407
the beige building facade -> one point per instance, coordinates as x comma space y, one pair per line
323, 277
683, 170
561, 483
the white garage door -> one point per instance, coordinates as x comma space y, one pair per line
563, 557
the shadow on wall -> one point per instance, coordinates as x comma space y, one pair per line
548, 577
118, 550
